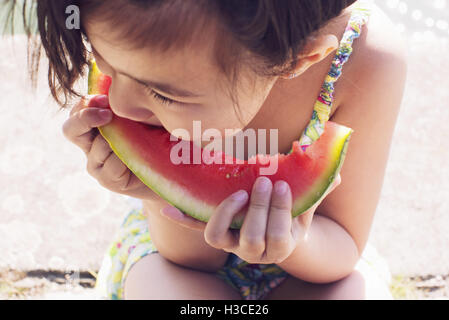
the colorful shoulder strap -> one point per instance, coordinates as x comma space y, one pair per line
323, 105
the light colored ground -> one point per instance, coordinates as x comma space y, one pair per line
411, 226
53, 215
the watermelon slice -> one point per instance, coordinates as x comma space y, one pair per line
197, 189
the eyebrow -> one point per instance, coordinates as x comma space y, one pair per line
160, 86
164, 87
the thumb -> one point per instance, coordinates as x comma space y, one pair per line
179, 217
336, 182
93, 100
99, 101
306, 218
333, 186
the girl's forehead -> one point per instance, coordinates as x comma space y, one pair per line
191, 66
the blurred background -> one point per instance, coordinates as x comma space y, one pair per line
56, 221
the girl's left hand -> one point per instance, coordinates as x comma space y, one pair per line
268, 234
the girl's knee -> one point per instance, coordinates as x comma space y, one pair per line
361, 285
153, 278
135, 285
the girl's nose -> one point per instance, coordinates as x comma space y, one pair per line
132, 113
122, 104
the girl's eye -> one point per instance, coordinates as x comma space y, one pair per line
157, 96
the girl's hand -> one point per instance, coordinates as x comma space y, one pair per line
102, 163
268, 234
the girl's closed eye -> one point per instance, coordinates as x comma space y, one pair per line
160, 98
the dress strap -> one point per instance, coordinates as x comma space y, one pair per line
323, 105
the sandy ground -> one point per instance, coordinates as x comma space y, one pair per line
54, 216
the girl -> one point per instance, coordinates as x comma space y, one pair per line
235, 64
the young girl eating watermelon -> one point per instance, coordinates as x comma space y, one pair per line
246, 65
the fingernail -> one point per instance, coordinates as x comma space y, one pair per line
240, 195
172, 212
280, 187
102, 100
105, 114
263, 184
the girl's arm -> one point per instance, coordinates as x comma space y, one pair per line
340, 229
328, 254
179, 244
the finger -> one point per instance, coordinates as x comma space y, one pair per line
114, 175
335, 184
279, 236
301, 224
107, 167
135, 183
136, 188
299, 232
338, 180
77, 128
96, 100
179, 217
140, 192
116, 170
252, 234
99, 101
83, 103
305, 219
100, 151
218, 233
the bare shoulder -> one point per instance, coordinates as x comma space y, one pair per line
373, 82
380, 52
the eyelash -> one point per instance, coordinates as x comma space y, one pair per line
157, 96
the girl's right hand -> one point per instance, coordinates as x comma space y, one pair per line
102, 163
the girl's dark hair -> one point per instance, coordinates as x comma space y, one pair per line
264, 35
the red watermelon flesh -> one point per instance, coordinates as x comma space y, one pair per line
197, 189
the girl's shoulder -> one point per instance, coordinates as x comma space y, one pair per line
372, 86
378, 52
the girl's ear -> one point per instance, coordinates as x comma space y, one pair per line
317, 48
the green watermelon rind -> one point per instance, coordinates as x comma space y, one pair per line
301, 205
180, 198
91, 78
